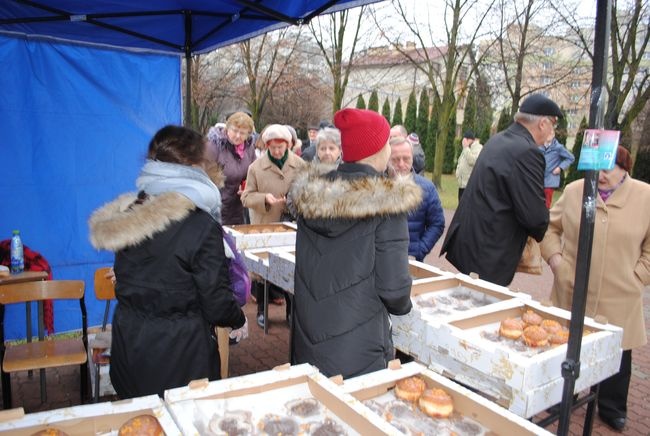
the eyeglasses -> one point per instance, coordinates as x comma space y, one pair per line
239, 132
553, 121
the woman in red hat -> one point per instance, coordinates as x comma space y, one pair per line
351, 252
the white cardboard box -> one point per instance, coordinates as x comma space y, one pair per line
251, 236
468, 404
267, 392
523, 382
89, 419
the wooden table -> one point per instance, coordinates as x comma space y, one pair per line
30, 276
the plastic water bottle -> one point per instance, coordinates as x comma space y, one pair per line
17, 259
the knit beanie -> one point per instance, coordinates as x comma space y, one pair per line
276, 131
363, 133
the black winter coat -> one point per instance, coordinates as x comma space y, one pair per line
351, 267
502, 205
172, 288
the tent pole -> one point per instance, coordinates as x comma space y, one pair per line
571, 366
188, 68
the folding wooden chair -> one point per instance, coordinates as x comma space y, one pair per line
104, 291
46, 352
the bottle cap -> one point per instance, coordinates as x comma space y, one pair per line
16, 232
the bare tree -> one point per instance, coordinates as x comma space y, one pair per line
330, 35
449, 80
213, 76
628, 84
265, 59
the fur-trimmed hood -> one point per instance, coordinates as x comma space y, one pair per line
123, 223
317, 195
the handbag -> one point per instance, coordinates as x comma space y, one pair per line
531, 258
237, 271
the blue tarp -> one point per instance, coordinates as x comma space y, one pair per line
75, 126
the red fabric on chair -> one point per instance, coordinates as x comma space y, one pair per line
34, 261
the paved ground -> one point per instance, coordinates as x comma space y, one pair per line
260, 352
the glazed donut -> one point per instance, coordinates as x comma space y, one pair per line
559, 337
436, 403
531, 318
511, 328
50, 431
535, 336
409, 389
551, 326
141, 425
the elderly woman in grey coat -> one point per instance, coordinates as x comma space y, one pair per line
351, 252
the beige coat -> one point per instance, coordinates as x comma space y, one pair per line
265, 177
466, 162
620, 260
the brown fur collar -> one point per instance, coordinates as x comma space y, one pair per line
118, 224
317, 197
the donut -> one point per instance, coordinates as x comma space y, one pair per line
436, 403
410, 389
50, 431
551, 326
559, 337
511, 328
141, 425
531, 318
535, 336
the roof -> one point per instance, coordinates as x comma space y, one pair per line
381, 56
168, 26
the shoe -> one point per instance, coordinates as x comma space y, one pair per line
617, 424
260, 320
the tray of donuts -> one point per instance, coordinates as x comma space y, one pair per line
249, 236
417, 401
285, 400
526, 344
422, 273
143, 415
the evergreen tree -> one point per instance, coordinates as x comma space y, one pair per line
504, 120
430, 143
484, 115
452, 148
397, 115
385, 110
410, 119
361, 102
373, 101
573, 173
469, 119
561, 130
422, 124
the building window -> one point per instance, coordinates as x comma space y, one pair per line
547, 66
549, 51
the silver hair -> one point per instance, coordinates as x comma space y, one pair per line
527, 118
398, 140
330, 134
401, 128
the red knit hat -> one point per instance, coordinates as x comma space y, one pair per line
363, 133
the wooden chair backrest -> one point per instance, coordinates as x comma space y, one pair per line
41, 290
104, 288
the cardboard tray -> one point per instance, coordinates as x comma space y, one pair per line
88, 419
250, 236
423, 273
185, 403
521, 381
410, 330
468, 404
282, 267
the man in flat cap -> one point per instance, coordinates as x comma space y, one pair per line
504, 202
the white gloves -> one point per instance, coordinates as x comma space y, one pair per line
240, 333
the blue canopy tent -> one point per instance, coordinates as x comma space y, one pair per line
84, 87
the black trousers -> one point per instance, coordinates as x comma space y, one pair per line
612, 394
274, 292
460, 193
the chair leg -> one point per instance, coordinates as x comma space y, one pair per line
84, 382
6, 390
97, 368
